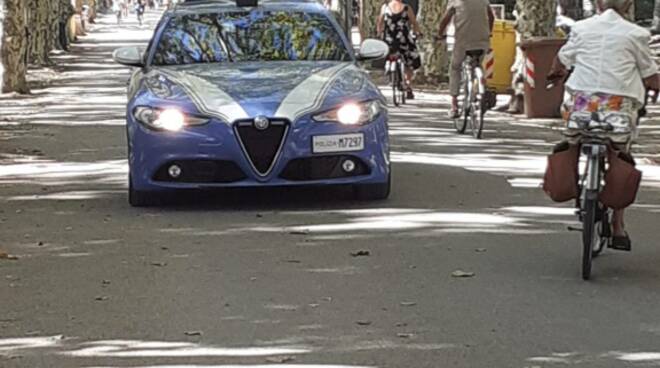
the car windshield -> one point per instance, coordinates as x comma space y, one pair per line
255, 35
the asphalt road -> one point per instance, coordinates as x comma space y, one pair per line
271, 278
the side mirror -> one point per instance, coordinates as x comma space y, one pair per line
373, 49
130, 56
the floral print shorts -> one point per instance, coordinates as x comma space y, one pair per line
602, 103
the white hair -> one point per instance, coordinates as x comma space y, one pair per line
615, 4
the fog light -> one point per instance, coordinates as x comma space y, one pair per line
348, 166
174, 171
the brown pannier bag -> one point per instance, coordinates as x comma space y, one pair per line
560, 181
622, 181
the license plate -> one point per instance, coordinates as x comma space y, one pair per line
338, 143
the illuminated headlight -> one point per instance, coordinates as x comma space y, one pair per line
620, 123
352, 113
166, 119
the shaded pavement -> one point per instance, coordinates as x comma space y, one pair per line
273, 278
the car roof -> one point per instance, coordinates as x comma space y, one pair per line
205, 6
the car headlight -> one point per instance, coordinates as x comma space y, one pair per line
171, 119
351, 113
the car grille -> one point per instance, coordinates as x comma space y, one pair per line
322, 167
201, 171
262, 147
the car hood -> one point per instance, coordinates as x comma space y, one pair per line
235, 91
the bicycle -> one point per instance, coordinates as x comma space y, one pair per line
395, 70
594, 216
474, 105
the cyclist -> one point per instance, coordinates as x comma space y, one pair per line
612, 65
395, 23
473, 22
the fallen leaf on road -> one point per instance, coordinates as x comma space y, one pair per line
363, 323
282, 359
159, 264
101, 298
481, 250
4, 255
361, 253
164, 248
405, 335
105, 282
462, 274
193, 333
408, 304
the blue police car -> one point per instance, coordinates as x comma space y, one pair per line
246, 94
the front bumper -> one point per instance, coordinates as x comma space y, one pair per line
215, 148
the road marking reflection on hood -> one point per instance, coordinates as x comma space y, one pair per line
209, 99
298, 102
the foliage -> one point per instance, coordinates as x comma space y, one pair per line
249, 36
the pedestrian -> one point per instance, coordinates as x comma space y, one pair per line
398, 27
118, 10
139, 10
473, 23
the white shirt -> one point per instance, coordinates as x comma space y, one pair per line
610, 55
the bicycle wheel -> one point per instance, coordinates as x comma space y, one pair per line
402, 83
477, 117
394, 79
603, 231
460, 122
589, 231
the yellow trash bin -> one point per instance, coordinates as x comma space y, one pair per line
498, 63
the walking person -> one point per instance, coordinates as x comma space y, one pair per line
473, 22
139, 10
118, 10
396, 25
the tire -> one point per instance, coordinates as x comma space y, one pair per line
477, 118
395, 85
137, 198
402, 82
460, 123
373, 192
588, 232
603, 231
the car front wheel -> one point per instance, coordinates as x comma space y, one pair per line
373, 192
137, 198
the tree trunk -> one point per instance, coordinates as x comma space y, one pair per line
92, 11
14, 48
536, 18
434, 55
369, 12
39, 42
